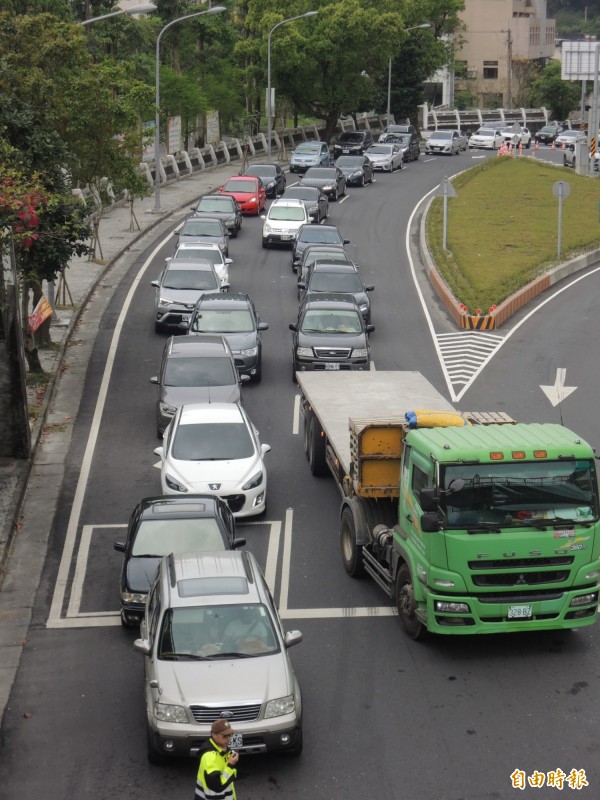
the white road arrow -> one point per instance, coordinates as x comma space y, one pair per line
559, 392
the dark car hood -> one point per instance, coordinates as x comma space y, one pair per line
361, 298
318, 182
241, 341
224, 215
185, 297
332, 340
179, 395
203, 239
351, 170
140, 572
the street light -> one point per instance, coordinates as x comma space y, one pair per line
389, 92
274, 28
213, 10
146, 8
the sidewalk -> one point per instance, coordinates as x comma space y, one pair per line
29, 490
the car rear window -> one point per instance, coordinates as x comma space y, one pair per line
197, 371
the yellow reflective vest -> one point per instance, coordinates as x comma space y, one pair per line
215, 780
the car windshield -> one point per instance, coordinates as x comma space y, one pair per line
200, 227
290, 213
351, 136
441, 135
393, 129
227, 320
215, 632
212, 441
318, 172
520, 494
215, 204
349, 161
486, 132
335, 282
189, 279
549, 129
240, 187
571, 134
320, 235
159, 537
199, 371
195, 253
307, 149
380, 149
331, 321
302, 193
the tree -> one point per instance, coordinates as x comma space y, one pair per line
558, 95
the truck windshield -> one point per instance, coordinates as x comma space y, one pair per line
519, 494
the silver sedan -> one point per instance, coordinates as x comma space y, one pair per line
385, 157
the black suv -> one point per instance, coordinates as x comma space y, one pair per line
315, 234
330, 334
352, 143
162, 525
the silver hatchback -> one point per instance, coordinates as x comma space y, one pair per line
214, 648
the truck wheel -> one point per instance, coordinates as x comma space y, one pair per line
406, 605
316, 449
351, 551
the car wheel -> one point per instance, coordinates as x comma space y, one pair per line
154, 756
528, 145
297, 748
158, 328
265, 244
294, 379
335, 196
257, 377
362, 180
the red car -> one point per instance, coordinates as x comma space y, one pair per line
249, 192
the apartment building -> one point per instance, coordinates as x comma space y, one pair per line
502, 40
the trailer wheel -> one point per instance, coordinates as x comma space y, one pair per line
316, 448
406, 605
351, 551
306, 430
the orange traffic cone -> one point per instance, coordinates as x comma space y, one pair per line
554, 145
564, 146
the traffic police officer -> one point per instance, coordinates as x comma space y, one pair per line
217, 772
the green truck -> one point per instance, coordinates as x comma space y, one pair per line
470, 523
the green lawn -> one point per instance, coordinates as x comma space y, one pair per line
503, 227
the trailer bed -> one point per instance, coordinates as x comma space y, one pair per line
337, 397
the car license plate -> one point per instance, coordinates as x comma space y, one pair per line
332, 365
185, 317
237, 740
286, 237
520, 612
345, 151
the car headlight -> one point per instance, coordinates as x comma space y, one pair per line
266, 229
360, 352
313, 209
304, 352
168, 713
281, 706
163, 301
254, 481
249, 351
165, 408
270, 184
133, 597
174, 485
252, 199
328, 188
356, 174
364, 306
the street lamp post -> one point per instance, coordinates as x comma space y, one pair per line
213, 10
146, 8
389, 91
274, 28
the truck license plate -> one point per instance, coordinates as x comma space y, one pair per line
331, 365
520, 612
237, 740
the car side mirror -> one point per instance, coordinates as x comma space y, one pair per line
142, 646
184, 326
265, 448
159, 451
155, 283
346, 241
175, 233
237, 543
225, 286
192, 208
430, 523
369, 288
244, 378
229, 261
263, 216
154, 379
120, 546
292, 326
301, 285
292, 637
263, 326
369, 328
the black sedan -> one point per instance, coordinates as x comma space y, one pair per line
315, 202
357, 169
163, 525
330, 180
338, 278
272, 176
548, 134
330, 335
222, 206
313, 234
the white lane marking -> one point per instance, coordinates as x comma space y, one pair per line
86, 464
272, 552
287, 560
81, 566
296, 416
342, 199
559, 392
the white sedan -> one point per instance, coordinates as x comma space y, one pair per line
213, 448
523, 134
487, 138
570, 136
450, 142
385, 157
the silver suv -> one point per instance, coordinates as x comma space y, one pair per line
214, 649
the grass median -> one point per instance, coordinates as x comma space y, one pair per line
503, 227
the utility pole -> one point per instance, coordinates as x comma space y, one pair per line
509, 44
